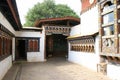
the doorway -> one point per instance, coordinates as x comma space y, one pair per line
56, 45
21, 50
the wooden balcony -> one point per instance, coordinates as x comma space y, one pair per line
108, 45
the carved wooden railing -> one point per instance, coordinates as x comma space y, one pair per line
108, 45
57, 30
108, 50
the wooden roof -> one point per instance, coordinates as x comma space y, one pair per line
9, 10
32, 29
78, 36
71, 21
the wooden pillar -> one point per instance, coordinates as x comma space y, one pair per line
100, 27
68, 23
44, 44
116, 40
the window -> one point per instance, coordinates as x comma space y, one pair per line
108, 6
30, 47
5, 42
33, 45
108, 18
108, 30
5, 46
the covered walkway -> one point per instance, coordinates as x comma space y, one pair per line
53, 69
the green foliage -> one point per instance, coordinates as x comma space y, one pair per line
47, 9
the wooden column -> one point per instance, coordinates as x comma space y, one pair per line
68, 23
116, 40
44, 31
100, 27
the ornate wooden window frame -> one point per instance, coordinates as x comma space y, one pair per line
110, 53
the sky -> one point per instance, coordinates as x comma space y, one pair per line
25, 5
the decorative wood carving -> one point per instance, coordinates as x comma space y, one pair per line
57, 30
85, 44
108, 45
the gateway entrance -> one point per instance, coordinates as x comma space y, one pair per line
56, 45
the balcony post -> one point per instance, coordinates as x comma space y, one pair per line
116, 40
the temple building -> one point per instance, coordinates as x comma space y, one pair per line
32, 44
56, 31
99, 52
91, 40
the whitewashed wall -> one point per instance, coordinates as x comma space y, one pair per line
7, 62
89, 21
34, 56
5, 65
89, 25
89, 60
113, 71
75, 30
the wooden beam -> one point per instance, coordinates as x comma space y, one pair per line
13, 11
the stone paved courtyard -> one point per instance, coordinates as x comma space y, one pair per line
56, 69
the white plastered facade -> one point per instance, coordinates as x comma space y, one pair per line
89, 25
34, 56
7, 62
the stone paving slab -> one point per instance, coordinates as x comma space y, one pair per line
12, 72
58, 69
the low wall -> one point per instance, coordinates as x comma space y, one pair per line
113, 71
5, 66
35, 57
89, 60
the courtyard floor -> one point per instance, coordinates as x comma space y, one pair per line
53, 69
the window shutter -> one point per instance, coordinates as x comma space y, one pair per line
30, 45
35, 45
10, 46
3, 46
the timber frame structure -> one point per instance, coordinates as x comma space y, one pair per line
109, 30
56, 26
